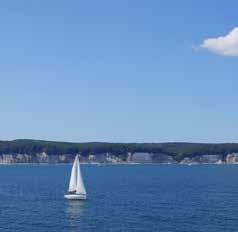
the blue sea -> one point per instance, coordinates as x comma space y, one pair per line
164, 198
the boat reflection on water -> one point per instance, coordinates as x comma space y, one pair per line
75, 211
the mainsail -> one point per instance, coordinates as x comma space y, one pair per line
76, 181
73, 177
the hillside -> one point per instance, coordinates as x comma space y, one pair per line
177, 150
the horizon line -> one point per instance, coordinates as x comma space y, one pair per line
174, 142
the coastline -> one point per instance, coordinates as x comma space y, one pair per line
116, 164
107, 158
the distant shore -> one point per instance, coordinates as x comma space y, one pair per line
114, 164
48, 152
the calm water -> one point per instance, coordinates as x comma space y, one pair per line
121, 198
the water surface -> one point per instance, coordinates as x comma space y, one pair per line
120, 198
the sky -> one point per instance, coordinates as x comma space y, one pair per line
119, 71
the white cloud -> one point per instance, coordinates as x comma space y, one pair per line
224, 45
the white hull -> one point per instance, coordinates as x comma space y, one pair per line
75, 196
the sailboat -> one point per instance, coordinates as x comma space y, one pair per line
76, 189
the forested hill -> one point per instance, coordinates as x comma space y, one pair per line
176, 150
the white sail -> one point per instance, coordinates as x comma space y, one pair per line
80, 189
73, 177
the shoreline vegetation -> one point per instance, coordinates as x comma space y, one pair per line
26, 151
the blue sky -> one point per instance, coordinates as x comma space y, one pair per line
117, 71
